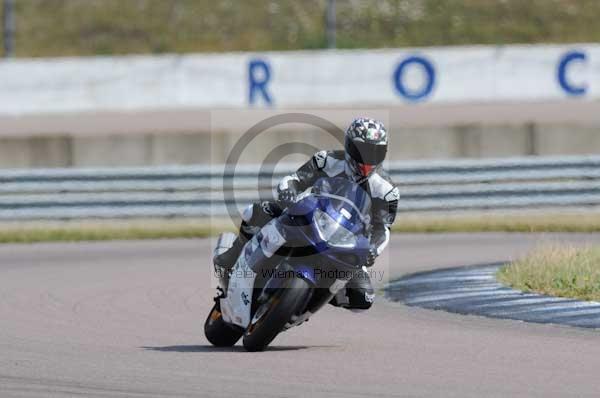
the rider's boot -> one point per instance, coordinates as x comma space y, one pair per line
224, 256
227, 259
254, 217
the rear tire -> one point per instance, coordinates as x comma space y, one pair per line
279, 310
218, 332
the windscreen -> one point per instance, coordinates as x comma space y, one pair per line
346, 198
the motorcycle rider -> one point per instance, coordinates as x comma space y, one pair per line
365, 148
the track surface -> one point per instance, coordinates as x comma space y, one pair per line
125, 319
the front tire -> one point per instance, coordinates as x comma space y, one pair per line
218, 332
271, 317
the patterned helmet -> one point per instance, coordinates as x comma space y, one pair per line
366, 146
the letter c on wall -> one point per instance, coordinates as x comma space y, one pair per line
426, 90
563, 65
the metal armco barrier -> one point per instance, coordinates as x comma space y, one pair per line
197, 191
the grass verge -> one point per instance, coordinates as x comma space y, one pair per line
31, 232
499, 222
107, 230
562, 271
93, 27
70, 234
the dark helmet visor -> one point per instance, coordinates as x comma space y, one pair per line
366, 153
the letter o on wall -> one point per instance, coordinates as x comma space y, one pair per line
565, 61
421, 93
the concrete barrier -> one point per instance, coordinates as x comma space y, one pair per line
382, 78
486, 101
192, 148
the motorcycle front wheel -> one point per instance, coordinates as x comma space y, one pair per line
219, 333
271, 316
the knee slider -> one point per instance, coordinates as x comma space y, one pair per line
360, 299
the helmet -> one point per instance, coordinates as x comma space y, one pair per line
366, 146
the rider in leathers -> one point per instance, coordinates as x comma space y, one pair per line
365, 149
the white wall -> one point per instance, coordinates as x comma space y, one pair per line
300, 79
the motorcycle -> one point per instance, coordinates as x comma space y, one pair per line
293, 266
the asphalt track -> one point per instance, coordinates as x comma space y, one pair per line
125, 319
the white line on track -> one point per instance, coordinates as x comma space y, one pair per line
446, 279
449, 297
555, 309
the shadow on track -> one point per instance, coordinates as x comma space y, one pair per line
210, 348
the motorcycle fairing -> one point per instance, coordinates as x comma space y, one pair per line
236, 306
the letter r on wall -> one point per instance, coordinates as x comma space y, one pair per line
259, 74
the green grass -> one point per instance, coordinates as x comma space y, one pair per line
550, 222
562, 271
92, 27
99, 234
75, 231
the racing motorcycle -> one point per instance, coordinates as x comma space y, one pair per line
293, 266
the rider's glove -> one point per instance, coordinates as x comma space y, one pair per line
287, 197
371, 257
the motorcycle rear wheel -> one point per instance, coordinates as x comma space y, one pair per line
271, 317
218, 332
